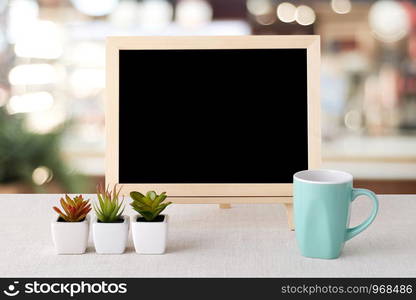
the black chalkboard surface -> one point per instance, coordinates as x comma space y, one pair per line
212, 116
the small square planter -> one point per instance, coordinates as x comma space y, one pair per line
110, 238
149, 237
70, 237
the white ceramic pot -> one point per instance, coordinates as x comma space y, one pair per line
149, 237
110, 238
70, 237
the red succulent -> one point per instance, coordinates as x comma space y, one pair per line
75, 210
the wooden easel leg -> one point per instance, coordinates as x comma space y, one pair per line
225, 205
289, 213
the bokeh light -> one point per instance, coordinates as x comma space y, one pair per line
286, 12
259, 7
85, 82
155, 14
42, 175
52, 57
44, 39
389, 21
86, 54
30, 102
126, 14
22, 14
305, 15
193, 13
44, 121
33, 74
353, 120
341, 6
95, 8
268, 19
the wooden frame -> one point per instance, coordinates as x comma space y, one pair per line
214, 193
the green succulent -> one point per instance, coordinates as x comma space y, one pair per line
109, 207
149, 206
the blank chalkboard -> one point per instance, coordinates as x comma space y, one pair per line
212, 115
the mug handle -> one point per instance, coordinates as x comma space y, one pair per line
351, 232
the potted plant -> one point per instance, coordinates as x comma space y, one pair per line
149, 228
70, 229
110, 228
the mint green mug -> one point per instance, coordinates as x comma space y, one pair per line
322, 201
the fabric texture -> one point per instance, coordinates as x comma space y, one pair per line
206, 241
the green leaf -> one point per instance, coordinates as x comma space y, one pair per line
162, 208
147, 215
151, 195
146, 201
136, 196
149, 206
159, 200
138, 206
109, 205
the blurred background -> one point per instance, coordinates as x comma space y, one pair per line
52, 70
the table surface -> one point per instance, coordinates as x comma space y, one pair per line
250, 240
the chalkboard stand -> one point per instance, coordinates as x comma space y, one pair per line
225, 206
289, 212
220, 194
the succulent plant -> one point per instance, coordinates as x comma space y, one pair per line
149, 206
109, 207
75, 210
